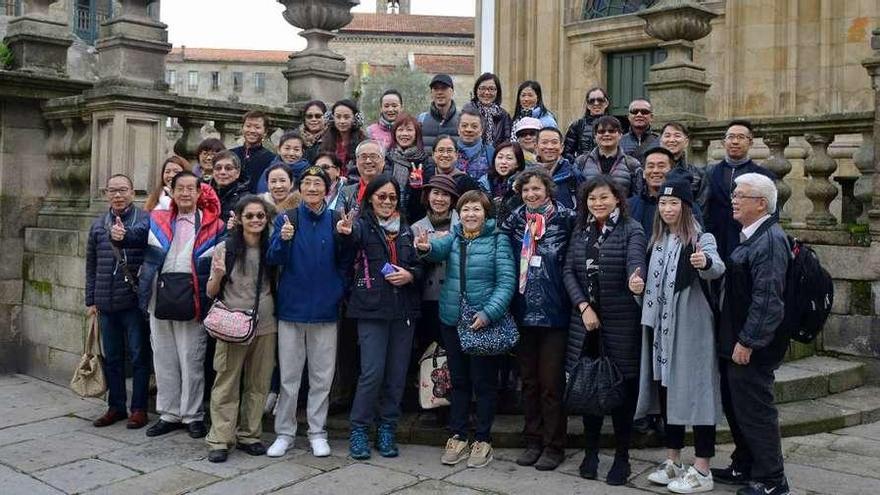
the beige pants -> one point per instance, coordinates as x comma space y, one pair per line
240, 389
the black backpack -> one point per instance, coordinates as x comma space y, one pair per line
808, 295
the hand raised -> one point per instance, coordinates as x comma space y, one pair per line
230, 224
422, 242
117, 231
344, 225
698, 259
218, 263
417, 177
636, 283
287, 230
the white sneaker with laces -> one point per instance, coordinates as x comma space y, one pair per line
320, 447
280, 446
692, 482
666, 472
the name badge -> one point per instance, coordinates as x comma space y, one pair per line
535, 261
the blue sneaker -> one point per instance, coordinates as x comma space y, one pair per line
386, 440
359, 443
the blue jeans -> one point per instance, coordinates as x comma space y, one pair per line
118, 329
477, 374
385, 347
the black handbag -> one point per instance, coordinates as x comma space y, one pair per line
595, 386
175, 297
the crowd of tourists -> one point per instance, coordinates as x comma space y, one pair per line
367, 243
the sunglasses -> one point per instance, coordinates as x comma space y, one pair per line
640, 111
314, 115
383, 197
595, 101
250, 216
605, 131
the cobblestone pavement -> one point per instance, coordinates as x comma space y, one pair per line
48, 446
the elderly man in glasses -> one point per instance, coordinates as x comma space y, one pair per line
640, 137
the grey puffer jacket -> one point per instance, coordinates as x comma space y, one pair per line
619, 312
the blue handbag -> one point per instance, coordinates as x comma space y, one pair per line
494, 339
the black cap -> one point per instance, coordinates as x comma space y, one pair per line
443, 79
678, 188
315, 171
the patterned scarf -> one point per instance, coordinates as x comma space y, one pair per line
391, 227
473, 159
489, 113
310, 138
659, 294
600, 233
409, 157
536, 226
385, 123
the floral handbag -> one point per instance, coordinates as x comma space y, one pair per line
232, 325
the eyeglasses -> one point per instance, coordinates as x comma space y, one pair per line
250, 216
445, 151
599, 132
738, 196
369, 157
327, 167
121, 191
737, 137
383, 197
639, 111
225, 167
595, 101
314, 115
487, 89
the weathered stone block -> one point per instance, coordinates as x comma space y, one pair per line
858, 335
84, 475
850, 262
10, 292
356, 478
841, 297
42, 453
49, 327
49, 296
52, 241
11, 252
169, 481
69, 271
14, 482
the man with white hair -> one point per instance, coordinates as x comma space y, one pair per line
749, 344
369, 158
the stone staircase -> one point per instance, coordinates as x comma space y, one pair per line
814, 394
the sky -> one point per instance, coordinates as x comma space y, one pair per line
225, 24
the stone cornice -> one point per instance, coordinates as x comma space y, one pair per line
401, 40
19, 84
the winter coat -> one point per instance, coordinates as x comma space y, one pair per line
505, 203
106, 285
699, 182
156, 233
636, 146
503, 125
377, 132
693, 385
489, 272
626, 171
372, 297
718, 215
435, 273
545, 302
579, 139
434, 124
567, 181
229, 196
254, 161
753, 304
313, 258
619, 313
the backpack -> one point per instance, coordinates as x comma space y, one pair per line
808, 294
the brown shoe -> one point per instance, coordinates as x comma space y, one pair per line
109, 417
137, 420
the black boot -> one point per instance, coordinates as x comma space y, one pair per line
620, 470
589, 468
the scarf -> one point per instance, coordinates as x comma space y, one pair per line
311, 138
734, 162
440, 222
391, 227
385, 123
470, 235
362, 189
536, 227
599, 233
659, 296
472, 158
409, 157
490, 114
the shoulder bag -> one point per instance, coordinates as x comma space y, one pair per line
231, 325
595, 385
435, 382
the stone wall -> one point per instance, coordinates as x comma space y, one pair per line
275, 93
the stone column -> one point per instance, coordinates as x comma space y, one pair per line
872, 65
678, 85
819, 166
316, 72
132, 47
779, 165
38, 42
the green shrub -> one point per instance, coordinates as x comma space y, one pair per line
5, 56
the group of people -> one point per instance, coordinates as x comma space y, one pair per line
596, 241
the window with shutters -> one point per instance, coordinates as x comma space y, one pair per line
627, 73
192, 81
260, 82
237, 81
215, 81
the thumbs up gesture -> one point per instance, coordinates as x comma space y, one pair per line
698, 259
344, 225
417, 177
230, 224
287, 229
117, 231
422, 242
636, 283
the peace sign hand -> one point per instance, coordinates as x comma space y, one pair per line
417, 177
636, 283
344, 225
422, 242
287, 230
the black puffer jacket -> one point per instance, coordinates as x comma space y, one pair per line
372, 297
106, 287
229, 196
619, 313
579, 139
545, 302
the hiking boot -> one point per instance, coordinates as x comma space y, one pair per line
589, 468
619, 472
359, 443
386, 440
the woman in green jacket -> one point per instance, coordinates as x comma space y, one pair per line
490, 278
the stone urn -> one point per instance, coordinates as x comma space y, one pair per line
317, 18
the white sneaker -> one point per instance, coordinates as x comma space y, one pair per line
280, 446
692, 482
271, 402
666, 472
320, 447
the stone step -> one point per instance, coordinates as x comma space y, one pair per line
831, 412
816, 376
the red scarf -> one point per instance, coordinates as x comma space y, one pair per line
362, 189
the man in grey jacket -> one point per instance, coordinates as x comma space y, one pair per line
751, 346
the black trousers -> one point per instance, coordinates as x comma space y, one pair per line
541, 353
747, 398
704, 435
622, 417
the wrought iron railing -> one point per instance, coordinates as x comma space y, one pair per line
87, 18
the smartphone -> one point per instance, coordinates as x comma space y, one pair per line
388, 269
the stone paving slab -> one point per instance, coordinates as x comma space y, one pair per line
813, 480
173, 480
81, 476
29, 402
418, 460
119, 432
42, 453
15, 483
237, 464
42, 429
360, 479
809, 455
437, 487
871, 430
168, 450
262, 480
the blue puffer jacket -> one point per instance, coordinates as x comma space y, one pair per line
568, 180
489, 270
545, 302
106, 287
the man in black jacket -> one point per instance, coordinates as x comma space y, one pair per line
254, 158
111, 295
751, 346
